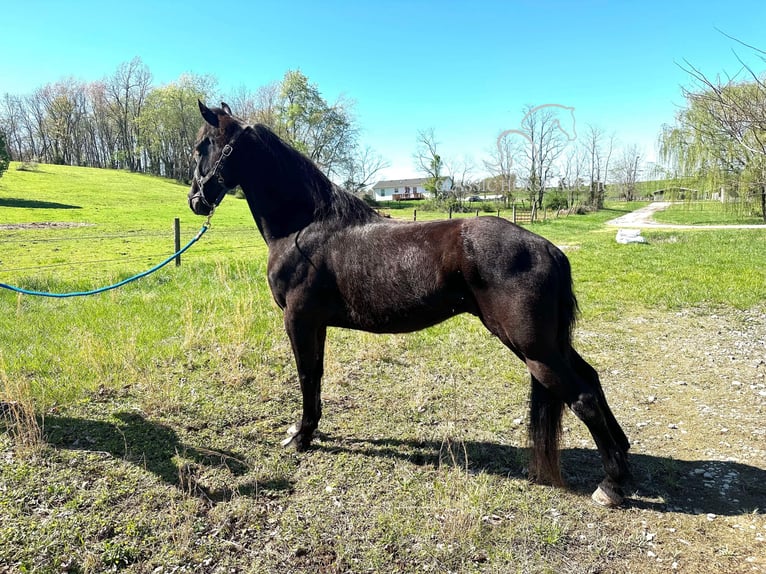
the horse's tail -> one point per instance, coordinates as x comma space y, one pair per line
545, 413
547, 408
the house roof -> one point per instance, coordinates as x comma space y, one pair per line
415, 182
387, 183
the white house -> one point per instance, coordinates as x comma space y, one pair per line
402, 189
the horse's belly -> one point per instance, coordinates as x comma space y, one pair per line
397, 305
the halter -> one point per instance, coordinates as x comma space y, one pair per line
215, 173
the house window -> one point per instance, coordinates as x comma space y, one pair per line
406, 190
396, 190
381, 192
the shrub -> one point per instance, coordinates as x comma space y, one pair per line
555, 200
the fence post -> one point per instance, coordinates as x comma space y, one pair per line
177, 236
514, 213
450, 212
414, 215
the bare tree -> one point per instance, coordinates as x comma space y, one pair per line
627, 170
501, 165
429, 162
126, 93
545, 143
574, 170
599, 148
460, 172
12, 119
363, 167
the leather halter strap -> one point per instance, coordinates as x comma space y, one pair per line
216, 173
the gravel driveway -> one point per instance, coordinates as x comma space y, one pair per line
642, 218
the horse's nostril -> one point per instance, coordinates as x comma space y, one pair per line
197, 206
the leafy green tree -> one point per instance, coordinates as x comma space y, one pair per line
5, 157
720, 136
168, 125
324, 132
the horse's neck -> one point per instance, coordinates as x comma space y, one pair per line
276, 216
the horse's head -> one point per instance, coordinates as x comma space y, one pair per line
214, 152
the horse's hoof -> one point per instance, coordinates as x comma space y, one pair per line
286, 442
292, 434
607, 498
297, 439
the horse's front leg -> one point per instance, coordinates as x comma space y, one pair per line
308, 341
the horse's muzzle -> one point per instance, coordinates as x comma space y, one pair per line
198, 204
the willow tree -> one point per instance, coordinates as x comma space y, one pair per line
720, 136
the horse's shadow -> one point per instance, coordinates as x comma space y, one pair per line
155, 447
659, 483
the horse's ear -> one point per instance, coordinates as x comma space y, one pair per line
225, 107
208, 114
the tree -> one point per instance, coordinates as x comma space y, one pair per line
574, 170
430, 162
545, 141
598, 163
626, 171
325, 132
501, 164
5, 158
460, 173
126, 91
168, 125
125, 122
363, 166
720, 136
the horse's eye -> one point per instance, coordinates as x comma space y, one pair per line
202, 146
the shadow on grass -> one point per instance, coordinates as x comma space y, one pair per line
659, 483
153, 446
34, 204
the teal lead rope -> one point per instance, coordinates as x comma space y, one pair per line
116, 285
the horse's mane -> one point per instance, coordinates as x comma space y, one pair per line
333, 204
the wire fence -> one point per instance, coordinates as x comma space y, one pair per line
112, 257
154, 245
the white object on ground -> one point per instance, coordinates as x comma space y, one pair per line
625, 236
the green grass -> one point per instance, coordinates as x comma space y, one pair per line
709, 213
162, 405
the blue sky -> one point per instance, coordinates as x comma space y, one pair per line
466, 69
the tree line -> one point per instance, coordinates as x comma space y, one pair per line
125, 122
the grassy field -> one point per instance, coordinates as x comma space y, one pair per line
709, 213
159, 408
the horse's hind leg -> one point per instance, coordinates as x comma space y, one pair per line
589, 374
587, 402
308, 343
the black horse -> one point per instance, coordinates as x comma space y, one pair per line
334, 262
